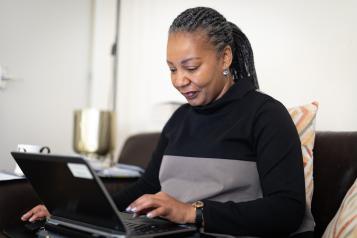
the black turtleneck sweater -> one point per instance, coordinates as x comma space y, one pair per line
240, 155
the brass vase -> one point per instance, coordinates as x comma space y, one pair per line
94, 132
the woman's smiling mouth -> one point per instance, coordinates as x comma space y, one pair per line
190, 95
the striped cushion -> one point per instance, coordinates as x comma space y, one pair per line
304, 119
344, 224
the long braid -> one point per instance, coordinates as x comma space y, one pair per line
243, 59
220, 33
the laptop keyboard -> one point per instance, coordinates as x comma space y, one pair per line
143, 225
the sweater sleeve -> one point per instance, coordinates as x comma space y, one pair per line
279, 162
148, 184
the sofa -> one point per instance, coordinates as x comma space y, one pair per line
335, 170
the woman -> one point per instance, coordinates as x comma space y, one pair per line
229, 160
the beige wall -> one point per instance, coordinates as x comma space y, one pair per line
45, 44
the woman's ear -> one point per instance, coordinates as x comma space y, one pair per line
227, 57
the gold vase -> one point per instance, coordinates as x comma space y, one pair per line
94, 132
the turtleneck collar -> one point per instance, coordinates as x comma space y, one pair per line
235, 92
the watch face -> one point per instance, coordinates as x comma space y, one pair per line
198, 204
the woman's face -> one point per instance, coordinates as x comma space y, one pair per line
196, 69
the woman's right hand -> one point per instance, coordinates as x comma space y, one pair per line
37, 213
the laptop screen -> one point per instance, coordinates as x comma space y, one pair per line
69, 189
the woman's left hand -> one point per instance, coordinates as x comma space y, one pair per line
163, 205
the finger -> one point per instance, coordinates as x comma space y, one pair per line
27, 215
148, 204
33, 218
158, 212
33, 211
142, 212
38, 216
132, 205
137, 202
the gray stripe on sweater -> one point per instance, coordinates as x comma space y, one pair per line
189, 179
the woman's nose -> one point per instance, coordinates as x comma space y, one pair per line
180, 80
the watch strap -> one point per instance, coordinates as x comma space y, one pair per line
199, 217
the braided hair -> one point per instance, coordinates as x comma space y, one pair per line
220, 33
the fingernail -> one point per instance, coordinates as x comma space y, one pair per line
128, 209
31, 219
149, 215
134, 209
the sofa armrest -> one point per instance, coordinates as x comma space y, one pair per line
335, 170
138, 149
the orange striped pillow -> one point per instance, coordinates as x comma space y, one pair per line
304, 119
344, 223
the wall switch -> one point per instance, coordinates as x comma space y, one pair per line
2, 79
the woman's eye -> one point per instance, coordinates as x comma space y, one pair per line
191, 69
172, 70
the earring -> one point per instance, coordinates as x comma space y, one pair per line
225, 72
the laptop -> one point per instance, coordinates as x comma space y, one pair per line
77, 199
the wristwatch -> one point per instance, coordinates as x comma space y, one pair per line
198, 205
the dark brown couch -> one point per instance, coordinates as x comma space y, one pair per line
335, 169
